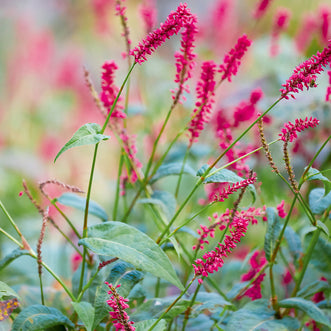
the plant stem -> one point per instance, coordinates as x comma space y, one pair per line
12, 238
87, 285
118, 183
172, 304
10, 219
182, 169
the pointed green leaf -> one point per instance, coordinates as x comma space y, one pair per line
170, 169
12, 256
318, 201
6, 291
323, 227
145, 325
312, 288
256, 315
314, 174
273, 229
224, 176
165, 200
74, 200
85, 312
38, 317
100, 304
88, 134
308, 307
133, 246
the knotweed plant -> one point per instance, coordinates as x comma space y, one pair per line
217, 210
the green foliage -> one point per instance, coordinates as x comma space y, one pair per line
318, 201
144, 325
314, 174
6, 292
16, 253
38, 317
85, 312
131, 245
88, 134
273, 230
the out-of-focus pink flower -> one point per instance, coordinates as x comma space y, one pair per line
280, 24
281, 210
289, 132
246, 110
305, 74
305, 33
120, 317
75, 261
101, 9
173, 24
319, 296
205, 93
148, 12
232, 61
261, 8
325, 18
257, 262
328, 89
109, 90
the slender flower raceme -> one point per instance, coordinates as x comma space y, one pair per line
261, 8
120, 318
328, 89
281, 21
231, 60
109, 90
205, 93
306, 31
173, 24
324, 18
120, 11
148, 13
289, 132
306, 73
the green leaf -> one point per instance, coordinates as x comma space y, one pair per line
314, 174
145, 325
273, 230
73, 200
85, 312
312, 288
257, 316
6, 291
308, 307
12, 256
165, 200
318, 201
323, 227
224, 176
100, 304
133, 246
38, 317
293, 242
170, 169
88, 134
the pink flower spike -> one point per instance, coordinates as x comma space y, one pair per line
205, 93
289, 132
173, 24
328, 89
324, 18
281, 210
119, 304
148, 13
306, 73
261, 8
231, 60
305, 34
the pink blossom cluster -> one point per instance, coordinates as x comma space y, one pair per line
328, 89
120, 318
325, 19
231, 60
224, 194
121, 11
281, 210
305, 74
306, 30
185, 58
213, 260
149, 15
109, 90
205, 92
246, 109
101, 9
261, 8
173, 24
257, 261
281, 22
289, 132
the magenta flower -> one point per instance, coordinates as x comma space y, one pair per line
213, 260
173, 24
324, 18
231, 60
224, 194
281, 210
205, 93
289, 132
281, 22
257, 262
148, 13
261, 8
306, 30
305, 74
109, 90
328, 89
120, 318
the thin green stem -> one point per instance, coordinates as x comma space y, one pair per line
118, 183
172, 304
41, 290
157, 287
12, 238
12, 222
273, 291
182, 169
87, 285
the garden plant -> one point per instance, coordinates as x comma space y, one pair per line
206, 203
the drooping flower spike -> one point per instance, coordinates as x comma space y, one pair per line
261, 8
